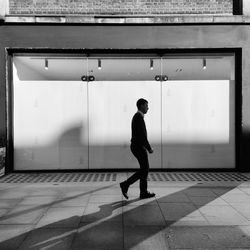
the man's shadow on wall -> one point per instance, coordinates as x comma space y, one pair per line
65, 150
104, 229
74, 149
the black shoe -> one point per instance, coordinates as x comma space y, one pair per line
124, 189
146, 195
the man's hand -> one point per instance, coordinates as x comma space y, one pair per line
151, 151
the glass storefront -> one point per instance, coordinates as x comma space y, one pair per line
74, 111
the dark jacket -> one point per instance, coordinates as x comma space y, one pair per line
139, 132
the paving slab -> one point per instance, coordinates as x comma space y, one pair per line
242, 208
104, 235
232, 198
80, 201
167, 190
44, 191
206, 237
182, 214
3, 211
223, 190
143, 215
108, 191
99, 212
23, 215
13, 194
9, 203
136, 201
11, 236
199, 201
175, 197
105, 198
223, 215
200, 192
37, 200
144, 237
46, 238
61, 217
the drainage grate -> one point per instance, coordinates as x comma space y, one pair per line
58, 177
204, 177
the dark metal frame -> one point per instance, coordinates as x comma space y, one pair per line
160, 52
237, 7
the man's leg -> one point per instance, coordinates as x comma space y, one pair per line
141, 174
144, 168
140, 154
136, 176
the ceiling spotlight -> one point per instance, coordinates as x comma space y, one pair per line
151, 64
99, 64
46, 64
204, 63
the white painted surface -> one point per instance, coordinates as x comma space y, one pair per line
198, 124
111, 108
50, 125
4, 8
120, 69
246, 7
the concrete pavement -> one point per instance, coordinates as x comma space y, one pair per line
94, 215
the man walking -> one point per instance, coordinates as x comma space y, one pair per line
139, 147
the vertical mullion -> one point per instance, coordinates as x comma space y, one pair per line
10, 99
88, 108
161, 116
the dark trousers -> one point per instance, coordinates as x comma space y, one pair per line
142, 156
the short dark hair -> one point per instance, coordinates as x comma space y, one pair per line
141, 102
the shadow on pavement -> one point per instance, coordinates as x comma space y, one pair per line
105, 229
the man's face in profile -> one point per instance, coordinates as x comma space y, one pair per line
144, 108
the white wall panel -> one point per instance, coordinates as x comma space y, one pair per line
111, 108
198, 124
50, 125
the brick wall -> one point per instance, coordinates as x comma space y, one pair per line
119, 7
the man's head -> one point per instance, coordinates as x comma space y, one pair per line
142, 105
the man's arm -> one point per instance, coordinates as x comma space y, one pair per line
143, 136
